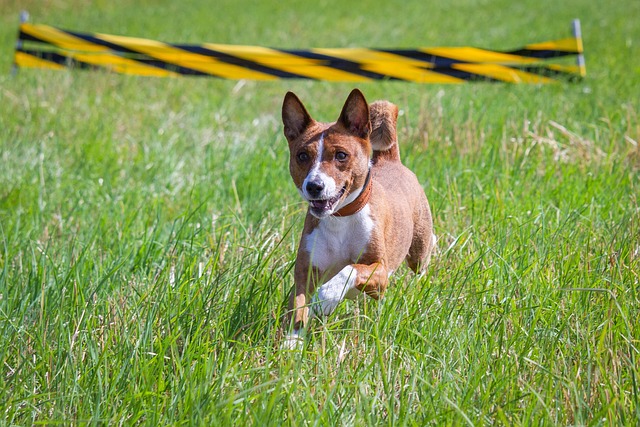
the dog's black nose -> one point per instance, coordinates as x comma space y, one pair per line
314, 188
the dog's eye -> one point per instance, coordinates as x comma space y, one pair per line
341, 156
303, 157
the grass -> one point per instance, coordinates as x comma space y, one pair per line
148, 229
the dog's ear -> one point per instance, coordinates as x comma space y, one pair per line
295, 117
355, 115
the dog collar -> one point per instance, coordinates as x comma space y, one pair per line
360, 201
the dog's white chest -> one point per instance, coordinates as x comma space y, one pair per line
337, 242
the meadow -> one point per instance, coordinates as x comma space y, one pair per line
148, 228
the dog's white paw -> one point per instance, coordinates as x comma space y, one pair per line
329, 295
292, 341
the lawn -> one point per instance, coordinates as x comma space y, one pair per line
148, 229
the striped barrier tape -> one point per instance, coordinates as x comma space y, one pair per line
43, 46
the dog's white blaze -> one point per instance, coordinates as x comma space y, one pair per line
315, 173
339, 241
315, 169
320, 150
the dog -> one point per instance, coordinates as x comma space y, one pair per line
366, 212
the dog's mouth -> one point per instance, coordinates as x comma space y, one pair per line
324, 207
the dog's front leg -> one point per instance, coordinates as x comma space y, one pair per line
306, 277
371, 279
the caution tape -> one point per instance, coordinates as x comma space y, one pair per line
43, 46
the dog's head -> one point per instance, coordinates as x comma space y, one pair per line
328, 162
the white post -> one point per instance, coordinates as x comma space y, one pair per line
24, 17
577, 33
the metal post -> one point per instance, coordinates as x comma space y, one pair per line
24, 17
577, 33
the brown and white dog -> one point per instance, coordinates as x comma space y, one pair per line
367, 213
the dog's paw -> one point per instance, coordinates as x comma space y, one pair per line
329, 295
292, 341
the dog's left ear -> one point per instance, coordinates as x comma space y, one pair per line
355, 115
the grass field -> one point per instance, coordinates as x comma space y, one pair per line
148, 229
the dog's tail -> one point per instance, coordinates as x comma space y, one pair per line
384, 137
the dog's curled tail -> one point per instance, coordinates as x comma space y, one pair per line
384, 136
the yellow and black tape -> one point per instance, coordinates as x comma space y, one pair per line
43, 46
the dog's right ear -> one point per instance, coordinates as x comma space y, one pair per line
295, 117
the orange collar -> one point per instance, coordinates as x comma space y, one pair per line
360, 201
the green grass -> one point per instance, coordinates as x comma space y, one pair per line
148, 229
